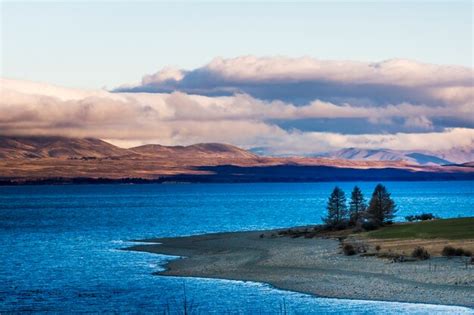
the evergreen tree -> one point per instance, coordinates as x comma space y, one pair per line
337, 209
381, 207
357, 206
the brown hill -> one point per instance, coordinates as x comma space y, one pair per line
56, 147
201, 150
34, 158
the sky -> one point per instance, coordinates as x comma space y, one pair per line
106, 44
284, 79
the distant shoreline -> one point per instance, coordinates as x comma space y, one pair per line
205, 179
314, 266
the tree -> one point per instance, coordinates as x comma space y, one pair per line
357, 206
381, 207
337, 209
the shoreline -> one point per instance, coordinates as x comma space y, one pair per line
313, 266
202, 179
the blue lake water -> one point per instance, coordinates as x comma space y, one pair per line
59, 249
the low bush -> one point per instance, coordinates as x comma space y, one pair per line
357, 229
349, 250
369, 226
420, 217
426, 216
448, 251
341, 226
420, 253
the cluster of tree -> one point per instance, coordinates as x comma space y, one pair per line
380, 210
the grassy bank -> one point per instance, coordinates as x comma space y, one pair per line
399, 238
449, 229
403, 238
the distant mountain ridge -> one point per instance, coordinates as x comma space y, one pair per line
421, 158
62, 160
457, 155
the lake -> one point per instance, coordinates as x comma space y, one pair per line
60, 249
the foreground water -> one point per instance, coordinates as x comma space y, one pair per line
60, 244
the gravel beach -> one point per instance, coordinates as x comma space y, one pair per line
315, 266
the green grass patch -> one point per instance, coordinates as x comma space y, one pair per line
452, 229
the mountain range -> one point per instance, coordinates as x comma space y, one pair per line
421, 158
46, 158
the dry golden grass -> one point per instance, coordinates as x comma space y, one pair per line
400, 238
406, 246
433, 235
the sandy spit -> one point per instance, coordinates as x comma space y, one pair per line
315, 266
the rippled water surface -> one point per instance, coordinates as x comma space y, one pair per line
60, 244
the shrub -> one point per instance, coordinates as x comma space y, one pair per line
369, 226
459, 252
426, 216
341, 225
362, 248
378, 248
348, 250
420, 217
448, 251
420, 253
357, 229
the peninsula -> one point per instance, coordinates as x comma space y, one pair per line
314, 263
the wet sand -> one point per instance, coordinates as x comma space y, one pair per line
315, 266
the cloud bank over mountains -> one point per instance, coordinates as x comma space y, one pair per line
302, 80
281, 105
413, 96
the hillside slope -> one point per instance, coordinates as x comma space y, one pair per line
214, 150
24, 159
56, 147
355, 154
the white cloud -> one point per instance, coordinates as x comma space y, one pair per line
179, 118
165, 75
303, 80
395, 71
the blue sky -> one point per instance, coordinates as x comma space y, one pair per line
285, 78
97, 44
